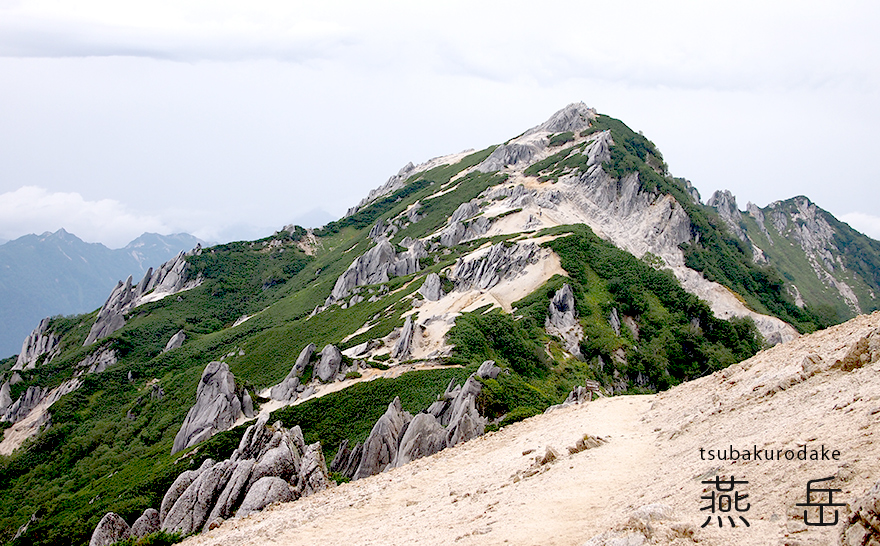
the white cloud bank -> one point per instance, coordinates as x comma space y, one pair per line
31, 209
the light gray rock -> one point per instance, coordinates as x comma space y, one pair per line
40, 342
464, 421
170, 278
191, 510
393, 184
146, 524
725, 203
488, 370
99, 360
465, 211
175, 342
458, 231
378, 265
328, 366
487, 270
510, 155
341, 457
354, 461
181, 484
286, 390
380, 447
614, 321
574, 117
562, 321
431, 289
233, 493
282, 461
305, 356
402, 348
313, 472
5, 397
423, 437
263, 493
25, 403
218, 405
112, 528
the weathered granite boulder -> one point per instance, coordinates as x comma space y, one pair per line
233, 493
112, 528
191, 510
328, 366
465, 211
424, 436
146, 524
282, 461
402, 348
218, 405
725, 203
378, 265
263, 493
562, 321
5, 397
459, 231
574, 117
509, 154
487, 270
175, 342
431, 289
25, 403
305, 356
40, 342
488, 370
313, 470
380, 447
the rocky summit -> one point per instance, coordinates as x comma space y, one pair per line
555, 321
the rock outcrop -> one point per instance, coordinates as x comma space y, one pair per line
111, 529
175, 342
423, 437
401, 349
562, 320
271, 464
170, 278
328, 367
219, 403
40, 342
146, 524
25, 403
98, 361
725, 203
290, 387
431, 289
380, 447
377, 265
488, 269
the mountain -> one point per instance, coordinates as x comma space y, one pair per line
59, 274
464, 294
826, 264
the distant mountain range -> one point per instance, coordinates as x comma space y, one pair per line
60, 274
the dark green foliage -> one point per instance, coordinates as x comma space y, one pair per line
509, 393
367, 216
561, 138
679, 338
497, 336
352, 412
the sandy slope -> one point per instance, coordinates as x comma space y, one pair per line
479, 492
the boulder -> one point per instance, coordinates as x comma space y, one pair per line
282, 461
146, 524
313, 471
402, 348
99, 360
431, 289
488, 370
175, 342
40, 342
562, 321
305, 356
5, 397
233, 493
328, 366
263, 493
25, 403
218, 405
112, 528
191, 510
463, 421
380, 447
378, 265
424, 436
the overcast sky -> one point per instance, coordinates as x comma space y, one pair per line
230, 119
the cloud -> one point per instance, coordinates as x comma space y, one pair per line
866, 223
31, 209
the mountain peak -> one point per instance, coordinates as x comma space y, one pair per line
574, 117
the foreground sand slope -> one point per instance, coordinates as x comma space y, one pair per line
646, 481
